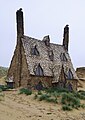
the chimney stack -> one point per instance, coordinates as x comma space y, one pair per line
66, 37
20, 23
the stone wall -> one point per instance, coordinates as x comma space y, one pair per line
13, 71
46, 81
18, 68
25, 77
73, 82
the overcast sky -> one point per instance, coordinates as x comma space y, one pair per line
43, 17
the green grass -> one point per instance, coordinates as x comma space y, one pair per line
57, 90
25, 91
66, 108
83, 106
44, 97
80, 95
3, 88
51, 100
71, 100
47, 98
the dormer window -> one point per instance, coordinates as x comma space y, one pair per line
34, 51
51, 55
69, 75
38, 70
63, 57
46, 40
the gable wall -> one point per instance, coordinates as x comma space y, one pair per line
18, 67
25, 77
13, 69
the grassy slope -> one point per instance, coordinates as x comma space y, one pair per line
3, 71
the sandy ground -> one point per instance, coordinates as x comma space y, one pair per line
14, 106
21, 107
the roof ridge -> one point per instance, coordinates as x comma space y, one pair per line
40, 40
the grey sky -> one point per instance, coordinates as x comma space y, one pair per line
43, 17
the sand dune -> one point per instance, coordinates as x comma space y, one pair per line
14, 106
21, 107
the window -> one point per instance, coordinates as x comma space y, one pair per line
63, 57
69, 75
34, 51
46, 39
51, 55
38, 70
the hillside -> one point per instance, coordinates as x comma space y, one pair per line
81, 75
3, 71
81, 72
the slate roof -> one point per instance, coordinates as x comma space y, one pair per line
50, 68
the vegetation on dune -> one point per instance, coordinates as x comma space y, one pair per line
25, 91
3, 71
3, 88
68, 100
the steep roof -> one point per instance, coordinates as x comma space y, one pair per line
50, 67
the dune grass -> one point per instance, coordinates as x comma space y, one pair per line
68, 100
25, 91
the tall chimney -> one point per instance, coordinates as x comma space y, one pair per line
20, 23
66, 37
20, 33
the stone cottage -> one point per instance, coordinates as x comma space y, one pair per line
41, 63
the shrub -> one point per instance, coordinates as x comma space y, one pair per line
55, 94
79, 95
44, 97
50, 90
65, 98
57, 90
39, 93
3, 87
66, 107
53, 100
83, 106
60, 90
25, 91
70, 100
82, 92
76, 102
